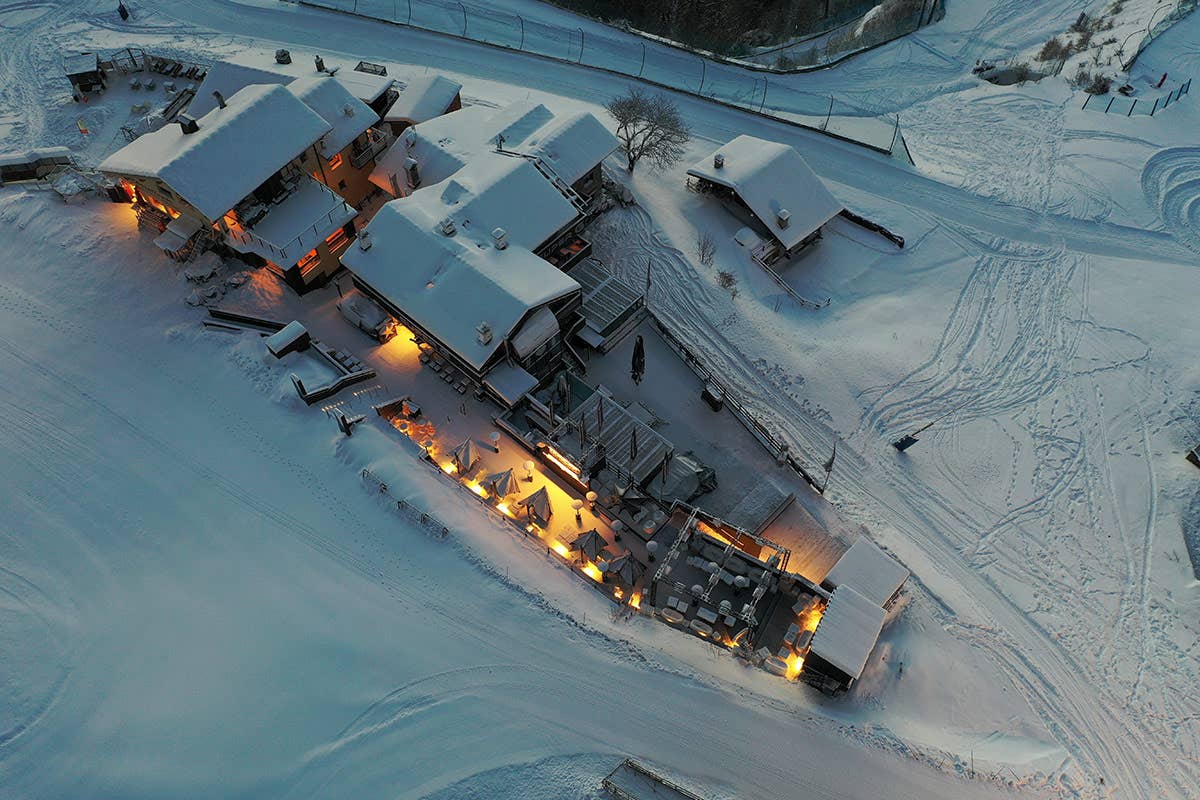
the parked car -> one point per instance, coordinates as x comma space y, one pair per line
368, 317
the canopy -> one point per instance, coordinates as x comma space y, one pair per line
501, 484
464, 456
626, 569
589, 544
537, 505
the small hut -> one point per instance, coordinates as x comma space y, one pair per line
464, 457
537, 507
84, 73
501, 484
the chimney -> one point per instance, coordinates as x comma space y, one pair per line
320, 62
220, 98
500, 238
414, 172
188, 124
348, 110
364, 240
447, 227
783, 216
718, 160
483, 333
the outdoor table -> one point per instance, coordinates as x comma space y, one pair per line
708, 615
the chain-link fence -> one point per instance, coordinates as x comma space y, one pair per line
625, 54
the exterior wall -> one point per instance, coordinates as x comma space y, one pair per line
158, 193
318, 272
352, 184
589, 185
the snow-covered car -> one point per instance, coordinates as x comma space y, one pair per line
367, 316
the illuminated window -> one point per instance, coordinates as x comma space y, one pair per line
336, 239
309, 261
336, 161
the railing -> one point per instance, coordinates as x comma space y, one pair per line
780, 450
1119, 104
289, 253
376, 144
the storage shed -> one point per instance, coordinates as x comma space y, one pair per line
84, 72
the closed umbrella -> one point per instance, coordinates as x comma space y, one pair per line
537, 506
589, 543
501, 484
464, 456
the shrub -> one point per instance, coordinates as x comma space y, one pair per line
1054, 50
1022, 72
1082, 23
784, 62
706, 247
728, 281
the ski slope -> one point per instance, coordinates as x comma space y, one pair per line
214, 606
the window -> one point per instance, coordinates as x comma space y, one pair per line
309, 261
341, 184
336, 239
336, 161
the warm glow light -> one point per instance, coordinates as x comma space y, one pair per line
449, 468
810, 621
476, 488
636, 600
504, 509
592, 571
617, 593
561, 549
794, 664
560, 461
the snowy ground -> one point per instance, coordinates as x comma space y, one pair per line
200, 597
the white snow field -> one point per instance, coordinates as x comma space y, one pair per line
200, 597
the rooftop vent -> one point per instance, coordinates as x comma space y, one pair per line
220, 98
718, 160
188, 124
783, 216
500, 238
320, 62
283, 56
364, 240
447, 227
348, 110
483, 333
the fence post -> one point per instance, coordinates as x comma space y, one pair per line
1110, 102
828, 114
1155, 107
464, 10
522, 21
409, 22
643, 66
1087, 99
895, 133
580, 59
1132, 107
702, 71
763, 104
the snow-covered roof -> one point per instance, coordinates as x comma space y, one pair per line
872, 572
233, 152
423, 98
848, 630
450, 284
771, 177
297, 224
571, 145
510, 382
35, 155
229, 77
347, 116
77, 63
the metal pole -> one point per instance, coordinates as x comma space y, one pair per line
763, 104
464, 10
829, 113
580, 59
1132, 107
1087, 100
522, 21
1155, 108
643, 66
1110, 102
409, 22
702, 71
895, 133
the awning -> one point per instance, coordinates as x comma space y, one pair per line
509, 382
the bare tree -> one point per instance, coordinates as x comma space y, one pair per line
706, 247
649, 126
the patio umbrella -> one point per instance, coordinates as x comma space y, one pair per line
537, 506
501, 484
589, 543
464, 456
666, 465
